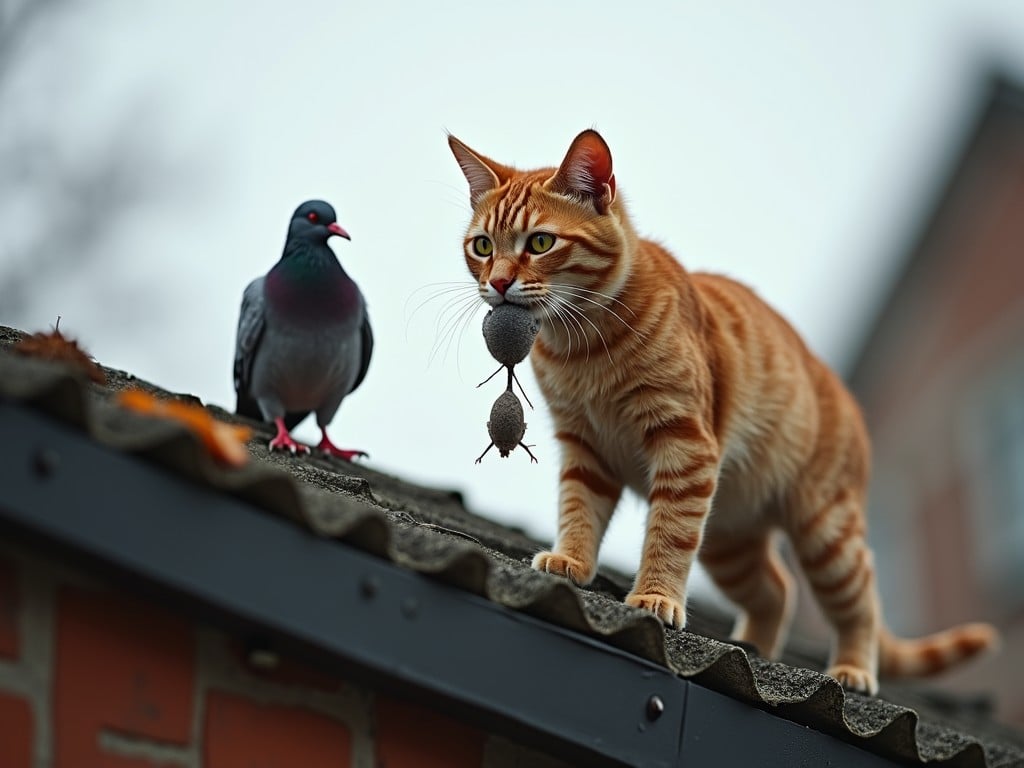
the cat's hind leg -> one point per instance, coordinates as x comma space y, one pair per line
830, 544
750, 572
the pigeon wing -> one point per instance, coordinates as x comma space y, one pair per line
366, 349
251, 325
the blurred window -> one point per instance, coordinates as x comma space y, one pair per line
994, 441
894, 536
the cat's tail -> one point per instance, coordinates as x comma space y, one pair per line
929, 655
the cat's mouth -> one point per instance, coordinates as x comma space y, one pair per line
527, 302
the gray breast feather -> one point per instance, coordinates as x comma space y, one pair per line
286, 369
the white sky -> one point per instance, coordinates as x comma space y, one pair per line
787, 144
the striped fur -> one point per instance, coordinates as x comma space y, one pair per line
691, 391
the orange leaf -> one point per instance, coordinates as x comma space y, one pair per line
225, 442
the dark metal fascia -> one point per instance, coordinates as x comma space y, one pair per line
223, 561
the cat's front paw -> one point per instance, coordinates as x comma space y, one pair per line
563, 565
670, 611
854, 678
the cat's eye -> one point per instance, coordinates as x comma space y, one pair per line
482, 246
540, 242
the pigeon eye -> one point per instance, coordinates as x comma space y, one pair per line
541, 242
482, 246
313, 217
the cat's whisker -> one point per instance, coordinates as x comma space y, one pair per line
440, 290
576, 310
443, 284
549, 313
552, 308
572, 326
456, 329
447, 289
445, 330
451, 303
439, 294
467, 317
458, 307
568, 291
600, 306
572, 314
582, 290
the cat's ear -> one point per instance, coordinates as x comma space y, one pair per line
586, 171
482, 173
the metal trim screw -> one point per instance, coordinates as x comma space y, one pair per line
369, 587
410, 607
655, 708
45, 462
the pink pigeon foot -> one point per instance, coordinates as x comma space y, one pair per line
326, 446
283, 441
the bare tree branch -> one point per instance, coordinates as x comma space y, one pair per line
92, 190
17, 18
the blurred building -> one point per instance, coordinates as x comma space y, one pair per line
940, 376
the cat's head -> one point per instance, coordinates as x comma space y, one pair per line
547, 237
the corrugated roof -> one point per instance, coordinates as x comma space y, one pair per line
431, 532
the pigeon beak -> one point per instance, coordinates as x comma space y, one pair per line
335, 229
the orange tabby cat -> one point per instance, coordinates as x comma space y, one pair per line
691, 391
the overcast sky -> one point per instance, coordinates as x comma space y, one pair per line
790, 145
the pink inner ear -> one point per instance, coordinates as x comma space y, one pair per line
595, 156
482, 175
587, 168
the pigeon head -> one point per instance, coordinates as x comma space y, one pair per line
315, 221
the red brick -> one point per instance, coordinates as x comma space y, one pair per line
15, 732
239, 733
9, 610
120, 666
409, 736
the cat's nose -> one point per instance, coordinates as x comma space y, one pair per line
501, 284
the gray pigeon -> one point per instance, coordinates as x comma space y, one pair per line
304, 339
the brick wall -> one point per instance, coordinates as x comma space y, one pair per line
951, 334
91, 677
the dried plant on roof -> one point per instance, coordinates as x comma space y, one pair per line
58, 347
